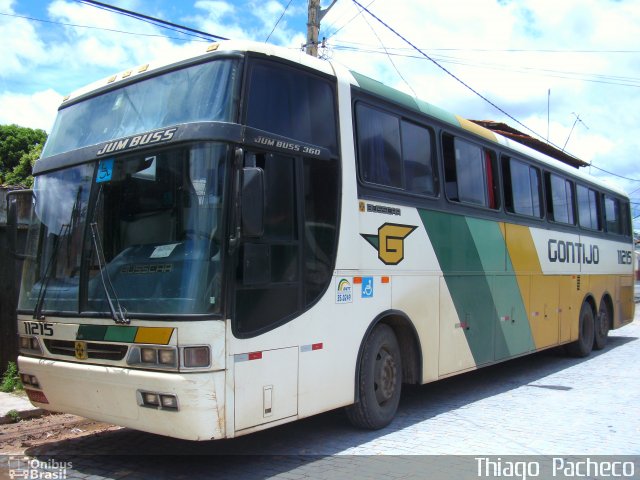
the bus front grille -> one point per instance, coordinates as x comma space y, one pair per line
100, 351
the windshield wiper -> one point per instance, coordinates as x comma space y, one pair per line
119, 315
48, 272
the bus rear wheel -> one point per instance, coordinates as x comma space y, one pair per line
584, 344
379, 381
601, 326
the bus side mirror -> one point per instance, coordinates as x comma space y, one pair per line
16, 208
252, 202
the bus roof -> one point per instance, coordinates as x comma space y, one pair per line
352, 77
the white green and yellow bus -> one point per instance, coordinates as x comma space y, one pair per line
252, 236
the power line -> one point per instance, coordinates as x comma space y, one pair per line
452, 75
567, 75
274, 27
153, 20
350, 20
389, 56
502, 50
98, 28
471, 88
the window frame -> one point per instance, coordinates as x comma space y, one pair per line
492, 189
401, 117
548, 191
505, 164
598, 206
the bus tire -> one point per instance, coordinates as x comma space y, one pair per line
602, 322
379, 381
584, 344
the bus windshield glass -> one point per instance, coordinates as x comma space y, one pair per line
201, 92
157, 217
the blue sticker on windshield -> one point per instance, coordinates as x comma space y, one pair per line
105, 170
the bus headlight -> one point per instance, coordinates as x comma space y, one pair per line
30, 345
167, 357
153, 357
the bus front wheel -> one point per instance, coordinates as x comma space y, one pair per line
584, 344
379, 381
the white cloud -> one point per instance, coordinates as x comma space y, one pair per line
34, 111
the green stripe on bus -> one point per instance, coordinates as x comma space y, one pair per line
121, 334
383, 90
437, 112
105, 333
91, 332
468, 284
513, 334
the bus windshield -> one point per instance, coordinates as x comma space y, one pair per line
158, 219
201, 92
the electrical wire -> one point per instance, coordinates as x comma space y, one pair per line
152, 20
567, 75
100, 28
502, 50
389, 57
274, 27
349, 21
501, 110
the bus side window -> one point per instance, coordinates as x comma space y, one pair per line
522, 188
378, 137
292, 103
612, 215
560, 204
588, 208
417, 158
469, 173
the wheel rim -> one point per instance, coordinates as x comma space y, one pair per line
384, 376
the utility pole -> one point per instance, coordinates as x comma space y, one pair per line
314, 18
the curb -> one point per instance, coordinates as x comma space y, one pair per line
23, 415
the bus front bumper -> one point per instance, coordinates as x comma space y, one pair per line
117, 395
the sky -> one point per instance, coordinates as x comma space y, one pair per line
567, 70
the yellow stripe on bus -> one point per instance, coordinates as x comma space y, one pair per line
159, 336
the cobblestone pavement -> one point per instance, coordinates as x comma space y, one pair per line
544, 404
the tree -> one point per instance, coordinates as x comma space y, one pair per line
20, 147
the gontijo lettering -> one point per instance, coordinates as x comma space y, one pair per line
573, 252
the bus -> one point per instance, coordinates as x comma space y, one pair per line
251, 236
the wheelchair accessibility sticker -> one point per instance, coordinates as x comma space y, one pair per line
367, 287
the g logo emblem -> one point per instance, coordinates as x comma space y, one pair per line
81, 350
390, 242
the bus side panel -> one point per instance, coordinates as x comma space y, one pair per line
626, 304
489, 309
418, 296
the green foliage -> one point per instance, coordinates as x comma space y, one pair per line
21, 173
14, 416
19, 148
11, 379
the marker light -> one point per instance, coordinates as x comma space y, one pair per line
197, 357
